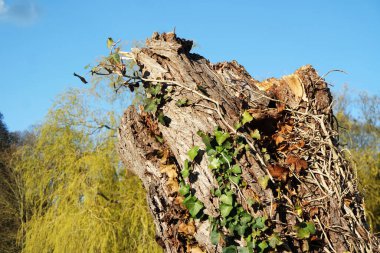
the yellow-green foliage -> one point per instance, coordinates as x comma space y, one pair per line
78, 197
360, 132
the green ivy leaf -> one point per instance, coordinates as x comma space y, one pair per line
159, 139
218, 192
245, 218
244, 250
185, 173
155, 89
182, 102
226, 199
215, 237
230, 249
246, 117
205, 138
235, 179
193, 205
110, 42
260, 223
255, 134
311, 227
150, 105
184, 190
214, 164
263, 245
221, 136
263, 181
186, 165
305, 229
240, 229
236, 169
193, 153
274, 240
225, 209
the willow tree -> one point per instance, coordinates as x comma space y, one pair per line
9, 197
78, 197
232, 164
360, 133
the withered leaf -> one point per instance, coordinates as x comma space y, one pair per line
297, 163
313, 211
278, 172
278, 138
187, 229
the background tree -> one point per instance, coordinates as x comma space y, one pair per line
359, 121
9, 193
78, 197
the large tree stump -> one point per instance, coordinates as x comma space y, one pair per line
293, 172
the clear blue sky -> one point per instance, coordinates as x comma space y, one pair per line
43, 42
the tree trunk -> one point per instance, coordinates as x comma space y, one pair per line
294, 176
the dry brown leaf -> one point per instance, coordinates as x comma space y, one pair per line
298, 145
187, 229
297, 163
196, 250
313, 211
283, 147
173, 184
165, 156
278, 172
169, 170
278, 138
280, 107
179, 200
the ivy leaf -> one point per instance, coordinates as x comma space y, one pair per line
245, 218
263, 245
230, 249
110, 42
186, 165
193, 205
214, 164
274, 240
255, 134
246, 117
163, 119
305, 229
225, 209
237, 125
259, 223
263, 181
155, 89
221, 136
235, 179
226, 199
150, 105
241, 229
205, 138
182, 102
193, 153
244, 250
215, 237
185, 173
184, 190
236, 169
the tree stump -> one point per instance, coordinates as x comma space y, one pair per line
233, 164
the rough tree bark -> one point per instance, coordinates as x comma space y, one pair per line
309, 178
